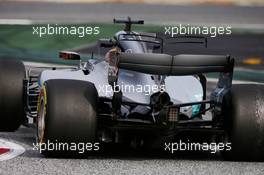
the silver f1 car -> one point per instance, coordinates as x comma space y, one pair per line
135, 96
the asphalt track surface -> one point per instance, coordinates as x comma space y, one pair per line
119, 162
249, 17
127, 161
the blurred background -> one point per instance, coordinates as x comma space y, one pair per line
245, 44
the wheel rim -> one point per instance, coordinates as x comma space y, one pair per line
41, 116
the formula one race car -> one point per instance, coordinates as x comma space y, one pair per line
135, 96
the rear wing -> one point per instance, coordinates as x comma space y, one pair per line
164, 64
179, 65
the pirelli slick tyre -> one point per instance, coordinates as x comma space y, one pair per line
12, 74
67, 113
244, 122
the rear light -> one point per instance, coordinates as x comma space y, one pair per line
173, 114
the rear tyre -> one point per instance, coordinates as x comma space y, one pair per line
12, 74
67, 115
244, 122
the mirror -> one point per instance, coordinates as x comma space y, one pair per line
67, 55
106, 43
156, 46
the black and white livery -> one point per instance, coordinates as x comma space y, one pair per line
137, 95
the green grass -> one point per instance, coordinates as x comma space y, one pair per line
18, 41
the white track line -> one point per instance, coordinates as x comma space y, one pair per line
16, 21
215, 80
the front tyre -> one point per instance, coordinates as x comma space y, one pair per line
67, 114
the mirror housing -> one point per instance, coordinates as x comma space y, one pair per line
156, 46
106, 43
67, 55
